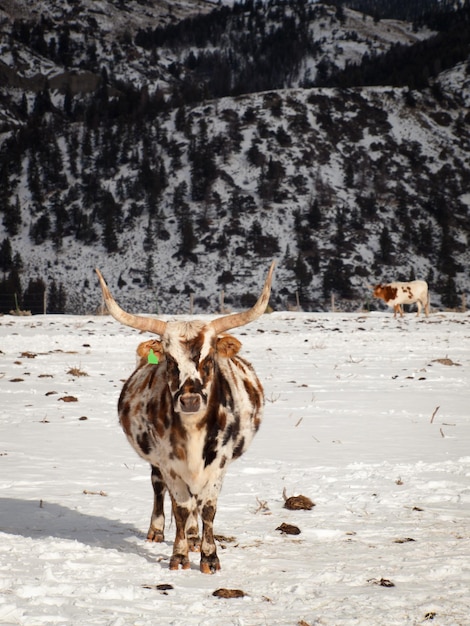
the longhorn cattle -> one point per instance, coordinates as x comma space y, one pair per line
397, 294
189, 416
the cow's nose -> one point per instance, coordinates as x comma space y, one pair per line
190, 402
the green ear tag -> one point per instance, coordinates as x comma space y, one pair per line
152, 357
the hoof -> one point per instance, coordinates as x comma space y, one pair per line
155, 535
179, 560
209, 565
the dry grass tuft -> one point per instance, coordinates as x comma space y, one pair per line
76, 371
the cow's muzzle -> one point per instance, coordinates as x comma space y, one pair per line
190, 402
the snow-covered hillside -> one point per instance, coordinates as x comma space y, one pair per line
400, 152
112, 157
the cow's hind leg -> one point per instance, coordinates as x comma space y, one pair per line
157, 521
192, 531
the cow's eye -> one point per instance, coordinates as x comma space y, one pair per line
172, 367
206, 369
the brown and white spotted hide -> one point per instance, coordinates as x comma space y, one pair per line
398, 293
189, 417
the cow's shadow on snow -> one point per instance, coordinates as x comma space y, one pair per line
42, 520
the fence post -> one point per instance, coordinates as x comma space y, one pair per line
45, 302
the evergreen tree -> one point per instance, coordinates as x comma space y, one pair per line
149, 237
10, 292
188, 238
225, 278
110, 240
450, 298
56, 299
111, 217
40, 229
254, 155
24, 105
6, 255
17, 262
52, 298
68, 102
33, 297
11, 211
255, 234
302, 274
314, 216
34, 181
203, 167
64, 51
180, 204
42, 103
87, 148
62, 299
446, 259
149, 270
386, 246
337, 279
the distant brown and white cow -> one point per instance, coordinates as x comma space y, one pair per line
397, 294
189, 416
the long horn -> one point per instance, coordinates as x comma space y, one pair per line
134, 321
223, 324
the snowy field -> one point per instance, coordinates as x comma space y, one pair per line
367, 416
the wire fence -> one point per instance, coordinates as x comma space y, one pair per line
42, 304
36, 303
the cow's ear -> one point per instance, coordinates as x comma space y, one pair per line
228, 346
143, 351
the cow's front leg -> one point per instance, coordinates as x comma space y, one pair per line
209, 559
157, 520
180, 556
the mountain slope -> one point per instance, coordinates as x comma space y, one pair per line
177, 202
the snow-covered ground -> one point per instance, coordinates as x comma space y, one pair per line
366, 415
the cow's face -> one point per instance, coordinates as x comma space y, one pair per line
190, 353
378, 291
190, 350
386, 292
